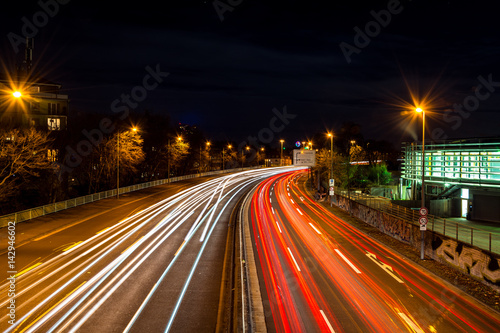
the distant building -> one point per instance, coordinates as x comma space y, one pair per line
30, 101
467, 171
276, 161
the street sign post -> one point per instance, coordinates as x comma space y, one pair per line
332, 182
423, 221
331, 191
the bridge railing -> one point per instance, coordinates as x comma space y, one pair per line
32, 213
447, 227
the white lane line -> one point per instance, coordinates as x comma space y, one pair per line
278, 227
410, 323
270, 200
288, 193
327, 321
272, 209
348, 262
384, 266
299, 211
298, 268
292, 201
319, 233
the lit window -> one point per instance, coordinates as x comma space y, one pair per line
54, 124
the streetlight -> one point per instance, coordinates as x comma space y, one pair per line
134, 129
330, 135
179, 138
422, 230
208, 151
242, 160
281, 153
17, 94
229, 148
349, 178
262, 149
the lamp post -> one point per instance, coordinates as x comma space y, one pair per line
169, 147
242, 156
349, 178
134, 129
281, 152
330, 135
229, 148
422, 206
208, 151
264, 155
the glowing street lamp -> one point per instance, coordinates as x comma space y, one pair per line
330, 135
133, 129
281, 153
422, 231
223, 151
17, 94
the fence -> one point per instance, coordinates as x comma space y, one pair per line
447, 227
32, 213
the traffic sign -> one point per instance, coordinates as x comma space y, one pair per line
423, 211
331, 190
332, 182
422, 220
423, 227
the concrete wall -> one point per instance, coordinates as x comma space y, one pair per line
478, 263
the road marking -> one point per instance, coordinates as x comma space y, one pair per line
292, 201
410, 323
62, 299
288, 193
272, 209
319, 233
278, 226
298, 268
299, 211
327, 321
103, 230
180, 247
270, 200
27, 269
385, 267
69, 247
348, 262
132, 244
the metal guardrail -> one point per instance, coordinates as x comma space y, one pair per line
32, 213
476, 237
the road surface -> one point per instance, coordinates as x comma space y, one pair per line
319, 274
153, 265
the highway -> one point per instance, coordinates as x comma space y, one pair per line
319, 274
152, 266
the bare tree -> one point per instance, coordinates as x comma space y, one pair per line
124, 148
23, 153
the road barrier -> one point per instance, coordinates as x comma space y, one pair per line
32, 213
476, 237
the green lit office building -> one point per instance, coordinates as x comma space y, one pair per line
466, 173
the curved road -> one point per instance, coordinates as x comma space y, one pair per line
319, 274
149, 267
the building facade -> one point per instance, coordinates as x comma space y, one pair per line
33, 102
465, 170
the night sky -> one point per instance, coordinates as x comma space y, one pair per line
226, 76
